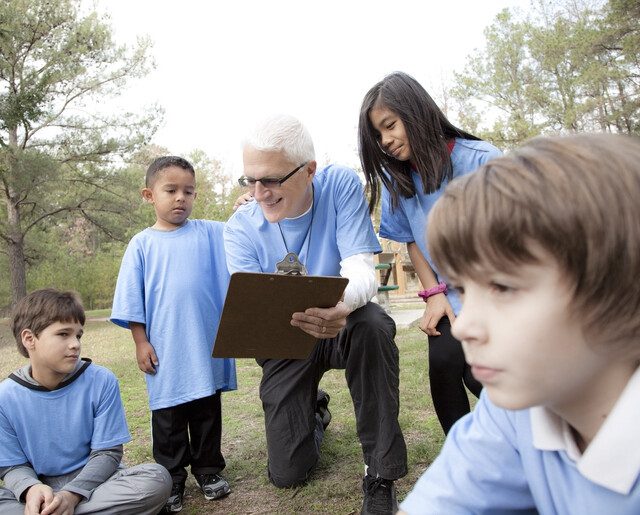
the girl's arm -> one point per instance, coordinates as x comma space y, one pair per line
437, 305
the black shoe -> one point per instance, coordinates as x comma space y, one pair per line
379, 496
322, 407
213, 486
174, 502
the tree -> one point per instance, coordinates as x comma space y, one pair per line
502, 77
567, 66
59, 146
216, 191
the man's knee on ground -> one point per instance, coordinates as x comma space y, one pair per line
290, 478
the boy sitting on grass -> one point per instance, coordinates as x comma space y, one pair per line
62, 423
544, 245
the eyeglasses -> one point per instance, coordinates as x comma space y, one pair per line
268, 182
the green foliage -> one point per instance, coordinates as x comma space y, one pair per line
566, 66
216, 192
61, 139
93, 276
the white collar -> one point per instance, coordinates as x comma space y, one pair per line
612, 460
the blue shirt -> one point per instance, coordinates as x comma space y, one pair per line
408, 222
55, 431
501, 462
175, 283
339, 226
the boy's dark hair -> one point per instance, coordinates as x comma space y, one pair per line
428, 131
575, 198
41, 308
163, 162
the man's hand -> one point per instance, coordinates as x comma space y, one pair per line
243, 199
38, 495
146, 357
322, 322
63, 503
437, 307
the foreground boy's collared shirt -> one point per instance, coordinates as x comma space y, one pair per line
490, 463
612, 459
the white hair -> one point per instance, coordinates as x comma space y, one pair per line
282, 133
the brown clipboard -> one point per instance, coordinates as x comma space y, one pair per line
257, 311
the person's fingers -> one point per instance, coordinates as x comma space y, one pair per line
153, 358
146, 365
428, 325
52, 506
450, 315
315, 329
319, 322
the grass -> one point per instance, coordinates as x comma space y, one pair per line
334, 487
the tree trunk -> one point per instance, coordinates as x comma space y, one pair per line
15, 248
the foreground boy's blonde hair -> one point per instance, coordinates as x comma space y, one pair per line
578, 198
41, 308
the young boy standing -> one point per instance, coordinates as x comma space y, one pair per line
62, 423
544, 246
170, 292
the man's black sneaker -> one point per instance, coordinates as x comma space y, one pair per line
322, 407
379, 496
174, 502
213, 486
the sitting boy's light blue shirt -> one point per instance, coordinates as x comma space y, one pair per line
55, 431
338, 227
175, 283
408, 222
498, 461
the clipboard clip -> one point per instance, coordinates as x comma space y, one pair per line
291, 265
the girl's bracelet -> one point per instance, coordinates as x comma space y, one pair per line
439, 288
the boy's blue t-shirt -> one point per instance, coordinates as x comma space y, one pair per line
337, 226
408, 222
175, 283
55, 431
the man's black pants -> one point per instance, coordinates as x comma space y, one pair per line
366, 350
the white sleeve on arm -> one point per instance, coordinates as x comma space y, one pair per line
361, 272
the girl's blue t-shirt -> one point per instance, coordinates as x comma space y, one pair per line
55, 431
175, 283
337, 226
408, 222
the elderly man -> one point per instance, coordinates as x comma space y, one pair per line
321, 216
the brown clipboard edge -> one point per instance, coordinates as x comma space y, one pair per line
255, 320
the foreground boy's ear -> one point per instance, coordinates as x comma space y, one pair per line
28, 339
147, 194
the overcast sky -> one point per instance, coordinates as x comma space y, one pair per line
223, 64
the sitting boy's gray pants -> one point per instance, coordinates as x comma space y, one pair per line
139, 490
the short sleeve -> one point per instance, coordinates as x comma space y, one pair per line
241, 255
354, 230
110, 424
479, 469
394, 224
11, 452
128, 299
